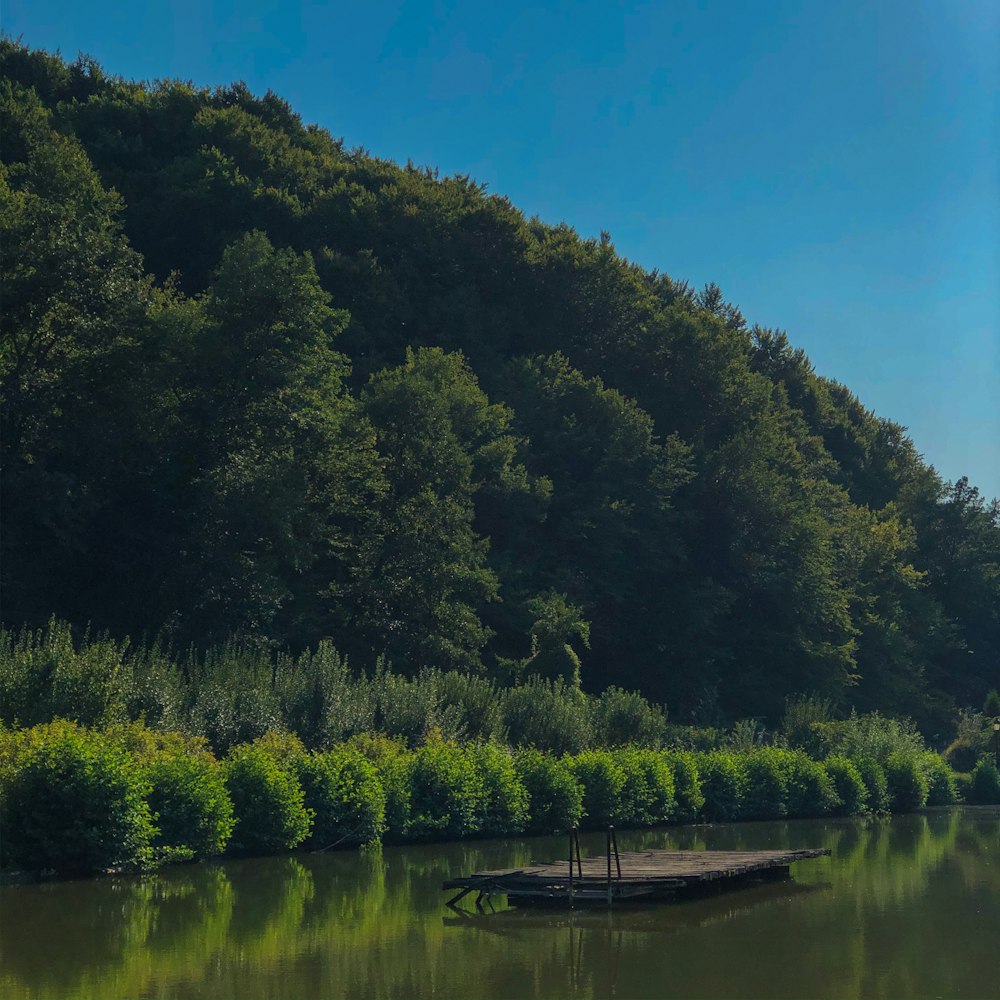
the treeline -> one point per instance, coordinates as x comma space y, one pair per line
258, 385
76, 800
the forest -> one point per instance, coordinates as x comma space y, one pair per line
265, 390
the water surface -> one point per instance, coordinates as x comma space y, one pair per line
908, 907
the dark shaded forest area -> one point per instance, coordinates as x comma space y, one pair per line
257, 385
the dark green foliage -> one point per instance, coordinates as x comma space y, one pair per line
809, 789
547, 714
603, 780
991, 707
984, 787
765, 786
555, 795
44, 675
848, 785
384, 406
647, 796
446, 792
876, 783
908, 786
74, 802
392, 764
941, 787
189, 799
504, 805
624, 717
723, 785
343, 791
687, 784
271, 814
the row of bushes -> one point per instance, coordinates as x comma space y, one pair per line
79, 800
236, 693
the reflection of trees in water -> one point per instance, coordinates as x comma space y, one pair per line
372, 925
108, 937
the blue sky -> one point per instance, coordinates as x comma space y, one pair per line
835, 167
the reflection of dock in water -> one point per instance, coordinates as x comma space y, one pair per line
627, 876
707, 911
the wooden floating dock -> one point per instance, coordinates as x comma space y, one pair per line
628, 875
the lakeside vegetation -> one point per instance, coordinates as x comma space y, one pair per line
281, 753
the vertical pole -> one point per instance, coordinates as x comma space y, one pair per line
571, 833
579, 864
618, 861
609, 866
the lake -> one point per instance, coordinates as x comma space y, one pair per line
904, 907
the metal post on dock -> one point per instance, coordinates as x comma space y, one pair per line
609, 866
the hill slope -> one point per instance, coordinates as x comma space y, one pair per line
257, 384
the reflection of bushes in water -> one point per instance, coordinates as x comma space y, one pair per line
270, 904
170, 925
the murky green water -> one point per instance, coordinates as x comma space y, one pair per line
904, 908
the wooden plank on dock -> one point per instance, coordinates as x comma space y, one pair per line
643, 873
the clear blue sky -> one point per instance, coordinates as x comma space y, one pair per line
834, 166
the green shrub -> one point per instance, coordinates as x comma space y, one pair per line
44, 675
722, 785
190, 803
392, 764
474, 703
687, 784
75, 802
848, 784
555, 795
907, 784
548, 715
343, 791
876, 783
764, 786
942, 789
647, 796
809, 790
603, 781
984, 787
622, 718
446, 792
269, 803
504, 808
875, 736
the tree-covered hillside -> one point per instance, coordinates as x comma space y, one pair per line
257, 384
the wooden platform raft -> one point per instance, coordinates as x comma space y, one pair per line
628, 875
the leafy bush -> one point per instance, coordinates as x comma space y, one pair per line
984, 787
848, 784
875, 736
764, 786
687, 784
647, 797
876, 783
474, 703
722, 785
549, 715
44, 676
621, 718
190, 803
555, 795
343, 791
746, 736
907, 785
269, 803
603, 781
392, 764
803, 723
942, 789
75, 802
809, 790
446, 792
504, 808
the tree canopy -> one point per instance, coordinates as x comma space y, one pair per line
257, 384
